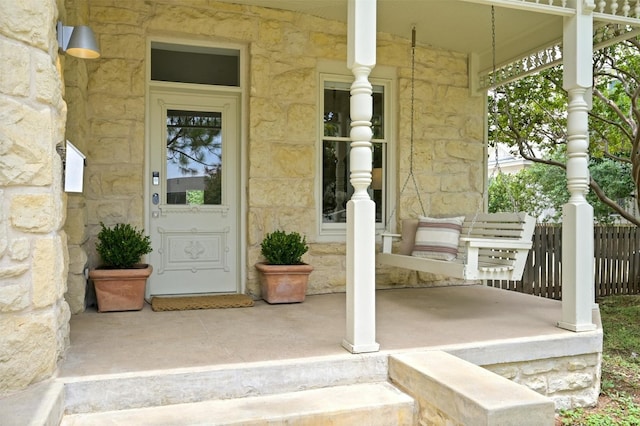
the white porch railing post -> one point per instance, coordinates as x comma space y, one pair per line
361, 308
577, 215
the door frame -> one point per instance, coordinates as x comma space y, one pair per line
241, 158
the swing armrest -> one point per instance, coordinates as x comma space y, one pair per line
387, 240
501, 243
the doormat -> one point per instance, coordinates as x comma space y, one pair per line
186, 303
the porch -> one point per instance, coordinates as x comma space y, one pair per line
146, 358
461, 319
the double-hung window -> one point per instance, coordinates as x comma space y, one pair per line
336, 189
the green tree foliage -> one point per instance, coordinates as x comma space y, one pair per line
195, 197
541, 189
514, 193
614, 177
529, 115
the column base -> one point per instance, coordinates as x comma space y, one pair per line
359, 349
576, 327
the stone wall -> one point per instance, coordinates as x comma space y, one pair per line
285, 49
34, 317
77, 130
569, 381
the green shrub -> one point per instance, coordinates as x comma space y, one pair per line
122, 246
281, 248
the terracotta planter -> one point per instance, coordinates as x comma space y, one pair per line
284, 283
120, 289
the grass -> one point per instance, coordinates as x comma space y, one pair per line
619, 401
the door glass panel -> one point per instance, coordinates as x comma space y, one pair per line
194, 157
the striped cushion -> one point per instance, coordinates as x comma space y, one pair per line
437, 238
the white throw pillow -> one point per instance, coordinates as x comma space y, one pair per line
438, 238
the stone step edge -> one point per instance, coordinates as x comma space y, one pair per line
366, 403
163, 387
446, 386
42, 404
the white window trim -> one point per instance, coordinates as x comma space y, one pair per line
381, 76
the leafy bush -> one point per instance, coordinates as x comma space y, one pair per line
281, 248
122, 246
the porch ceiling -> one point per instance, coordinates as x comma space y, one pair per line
446, 24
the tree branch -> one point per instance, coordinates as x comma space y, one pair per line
612, 204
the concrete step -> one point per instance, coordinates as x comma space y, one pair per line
369, 404
450, 390
41, 404
121, 391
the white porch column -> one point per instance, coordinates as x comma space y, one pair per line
361, 304
577, 214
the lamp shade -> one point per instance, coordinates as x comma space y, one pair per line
82, 43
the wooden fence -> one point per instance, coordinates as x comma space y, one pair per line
616, 254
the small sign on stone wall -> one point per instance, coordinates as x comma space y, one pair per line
73, 169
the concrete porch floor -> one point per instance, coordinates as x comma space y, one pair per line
145, 359
461, 320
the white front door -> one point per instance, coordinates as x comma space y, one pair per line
193, 199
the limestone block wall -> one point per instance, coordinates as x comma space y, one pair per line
34, 317
76, 80
570, 382
106, 119
281, 130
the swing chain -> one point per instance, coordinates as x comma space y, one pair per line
495, 88
411, 175
411, 134
495, 111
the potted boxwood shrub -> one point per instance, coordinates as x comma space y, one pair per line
284, 277
121, 280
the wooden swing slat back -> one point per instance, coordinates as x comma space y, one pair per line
492, 246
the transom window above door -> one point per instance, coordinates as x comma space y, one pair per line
195, 64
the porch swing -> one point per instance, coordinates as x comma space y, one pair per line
486, 246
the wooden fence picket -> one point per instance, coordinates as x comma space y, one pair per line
616, 258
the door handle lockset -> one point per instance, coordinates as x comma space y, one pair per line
155, 198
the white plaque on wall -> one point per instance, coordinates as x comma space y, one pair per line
74, 169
